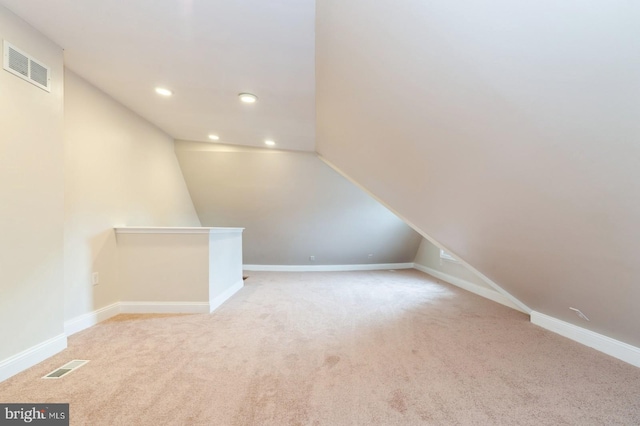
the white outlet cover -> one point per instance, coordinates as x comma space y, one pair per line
580, 314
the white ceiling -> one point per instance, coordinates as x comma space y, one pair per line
205, 51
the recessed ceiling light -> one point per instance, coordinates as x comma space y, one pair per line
164, 92
269, 142
214, 137
247, 98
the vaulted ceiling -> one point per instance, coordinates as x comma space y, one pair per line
507, 131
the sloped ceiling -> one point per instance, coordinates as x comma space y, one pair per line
205, 51
507, 131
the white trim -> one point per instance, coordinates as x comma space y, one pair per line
216, 302
87, 320
90, 319
40, 352
615, 348
32, 356
521, 306
226, 230
175, 230
469, 286
327, 268
164, 307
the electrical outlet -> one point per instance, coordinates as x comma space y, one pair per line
312, 258
579, 313
95, 278
370, 255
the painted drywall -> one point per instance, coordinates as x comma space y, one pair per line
179, 266
164, 267
119, 171
429, 255
506, 131
225, 263
31, 196
293, 206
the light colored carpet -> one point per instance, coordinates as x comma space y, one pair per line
348, 348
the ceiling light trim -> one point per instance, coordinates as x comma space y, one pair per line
247, 98
163, 91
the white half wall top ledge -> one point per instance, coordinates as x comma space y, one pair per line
175, 230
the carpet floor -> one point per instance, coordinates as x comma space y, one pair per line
339, 348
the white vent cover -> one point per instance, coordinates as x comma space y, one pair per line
26, 67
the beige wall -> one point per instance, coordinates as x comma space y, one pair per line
179, 265
119, 170
507, 131
429, 255
31, 196
292, 206
164, 267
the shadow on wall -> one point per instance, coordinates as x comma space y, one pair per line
295, 208
429, 255
103, 276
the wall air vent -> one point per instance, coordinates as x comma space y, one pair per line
26, 67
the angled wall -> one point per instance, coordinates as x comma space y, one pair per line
31, 200
292, 206
429, 255
507, 131
119, 170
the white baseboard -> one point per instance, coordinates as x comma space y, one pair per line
327, 268
615, 348
164, 307
469, 286
216, 302
38, 353
32, 356
85, 321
